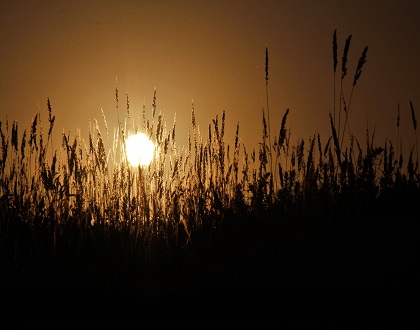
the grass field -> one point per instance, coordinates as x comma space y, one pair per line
304, 236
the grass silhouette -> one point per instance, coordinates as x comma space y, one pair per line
211, 221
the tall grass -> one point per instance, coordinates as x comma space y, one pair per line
78, 204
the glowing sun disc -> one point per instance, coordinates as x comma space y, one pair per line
140, 149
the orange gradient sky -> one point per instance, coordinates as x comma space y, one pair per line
212, 53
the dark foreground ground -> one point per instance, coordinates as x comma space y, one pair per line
359, 275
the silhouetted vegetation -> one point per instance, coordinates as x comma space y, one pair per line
80, 206
79, 202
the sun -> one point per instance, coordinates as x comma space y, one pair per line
140, 149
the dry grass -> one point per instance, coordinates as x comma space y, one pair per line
78, 202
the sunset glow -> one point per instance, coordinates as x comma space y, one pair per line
140, 150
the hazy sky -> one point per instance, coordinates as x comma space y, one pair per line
211, 53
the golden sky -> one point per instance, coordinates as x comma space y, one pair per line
211, 53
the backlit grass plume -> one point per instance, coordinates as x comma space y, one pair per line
80, 203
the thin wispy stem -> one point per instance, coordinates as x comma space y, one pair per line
343, 74
268, 118
413, 118
335, 62
362, 61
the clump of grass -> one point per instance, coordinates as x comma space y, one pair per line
78, 203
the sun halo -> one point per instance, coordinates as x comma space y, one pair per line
139, 149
